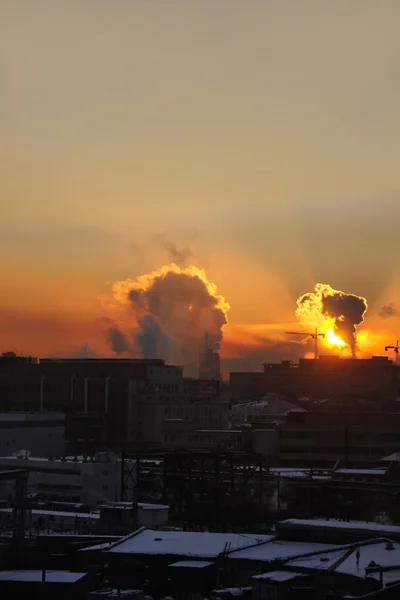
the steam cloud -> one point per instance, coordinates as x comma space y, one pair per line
173, 309
345, 310
387, 311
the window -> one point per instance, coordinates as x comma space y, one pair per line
105, 488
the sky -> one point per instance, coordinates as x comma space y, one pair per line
263, 136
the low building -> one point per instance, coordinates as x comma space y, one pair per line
79, 479
41, 433
45, 584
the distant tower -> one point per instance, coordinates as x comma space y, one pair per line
210, 362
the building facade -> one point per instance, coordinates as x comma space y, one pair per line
40, 433
79, 479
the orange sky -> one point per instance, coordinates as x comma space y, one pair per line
264, 138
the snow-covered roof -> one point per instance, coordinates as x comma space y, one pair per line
184, 543
36, 576
351, 525
383, 553
392, 458
279, 576
192, 564
279, 549
56, 513
379, 472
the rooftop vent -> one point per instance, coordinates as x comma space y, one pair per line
158, 539
390, 546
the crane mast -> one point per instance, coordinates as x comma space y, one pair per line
309, 334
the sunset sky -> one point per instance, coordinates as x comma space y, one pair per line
262, 136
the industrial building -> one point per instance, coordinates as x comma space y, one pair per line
78, 479
321, 439
376, 379
41, 433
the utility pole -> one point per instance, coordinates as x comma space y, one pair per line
307, 334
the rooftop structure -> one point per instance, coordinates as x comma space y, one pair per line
189, 544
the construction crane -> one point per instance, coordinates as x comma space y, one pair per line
396, 348
306, 334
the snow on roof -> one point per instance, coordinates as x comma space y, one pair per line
334, 524
56, 513
36, 576
96, 547
377, 551
192, 564
184, 543
279, 576
279, 549
361, 471
392, 458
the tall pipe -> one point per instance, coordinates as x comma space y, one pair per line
86, 394
106, 396
41, 393
72, 389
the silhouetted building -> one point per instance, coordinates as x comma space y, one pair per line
376, 379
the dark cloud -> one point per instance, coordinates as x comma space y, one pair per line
387, 311
118, 341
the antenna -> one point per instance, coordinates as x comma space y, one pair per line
307, 334
396, 348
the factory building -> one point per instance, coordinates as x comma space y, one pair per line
78, 479
42, 433
376, 379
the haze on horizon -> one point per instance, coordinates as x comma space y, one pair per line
264, 137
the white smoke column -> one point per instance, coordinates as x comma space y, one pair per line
174, 307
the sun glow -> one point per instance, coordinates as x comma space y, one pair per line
333, 339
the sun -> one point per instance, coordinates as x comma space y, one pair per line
333, 339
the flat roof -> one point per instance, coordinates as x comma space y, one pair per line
279, 576
279, 549
334, 524
184, 543
192, 564
36, 576
56, 513
382, 552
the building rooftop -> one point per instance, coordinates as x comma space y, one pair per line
191, 564
274, 549
36, 576
184, 543
349, 525
56, 513
378, 472
379, 552
278, 576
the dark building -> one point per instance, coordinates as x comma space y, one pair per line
316, 439
375, 379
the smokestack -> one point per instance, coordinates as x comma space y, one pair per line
86, 395
42, 393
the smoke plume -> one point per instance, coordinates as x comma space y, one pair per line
344, 312
118, 341
174, 308
387, 311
